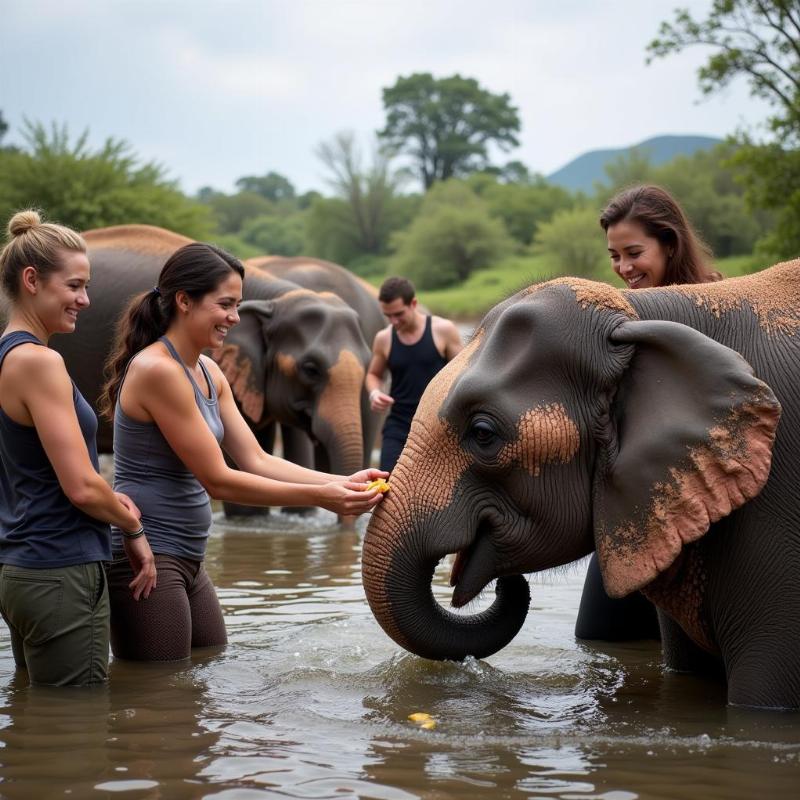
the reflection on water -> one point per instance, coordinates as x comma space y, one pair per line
310, 699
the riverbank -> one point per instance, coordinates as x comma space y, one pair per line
470, 300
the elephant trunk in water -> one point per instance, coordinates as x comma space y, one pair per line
414, 527
397, 581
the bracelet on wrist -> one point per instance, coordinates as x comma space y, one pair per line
133, 534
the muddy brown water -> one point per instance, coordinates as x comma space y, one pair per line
310, 700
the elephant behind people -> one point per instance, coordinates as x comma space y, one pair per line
297, 357
643, 424
326, 277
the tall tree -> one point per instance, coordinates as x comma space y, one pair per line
759, 40
447, 124
3, 126
367, 192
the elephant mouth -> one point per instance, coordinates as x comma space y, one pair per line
473, 568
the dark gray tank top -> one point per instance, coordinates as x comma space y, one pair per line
176, 510
39, 526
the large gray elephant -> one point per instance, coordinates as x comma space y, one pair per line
297, 357
643, 424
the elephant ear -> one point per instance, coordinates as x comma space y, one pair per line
690, 439
243, 357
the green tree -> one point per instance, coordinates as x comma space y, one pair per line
760, 41
447, 124
3, 126
706, 187
522, 207
272, 186
86, 188
368, 193
452, 235
572, 244
282, 235
232, 211
626, 169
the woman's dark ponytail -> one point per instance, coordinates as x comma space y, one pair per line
141, 324
195, 269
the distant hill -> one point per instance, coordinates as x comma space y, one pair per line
582, 172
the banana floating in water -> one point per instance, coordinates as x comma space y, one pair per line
425, 721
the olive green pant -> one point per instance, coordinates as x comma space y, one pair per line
59, 622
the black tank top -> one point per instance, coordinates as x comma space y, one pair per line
39, 526
412, 366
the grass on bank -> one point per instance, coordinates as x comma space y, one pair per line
470, 300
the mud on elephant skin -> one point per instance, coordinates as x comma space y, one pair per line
297, 357
643, 424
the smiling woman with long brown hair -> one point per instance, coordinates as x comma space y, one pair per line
651, 243
174, 415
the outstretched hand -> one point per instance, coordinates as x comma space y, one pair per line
348, 498
367, 475
143, 564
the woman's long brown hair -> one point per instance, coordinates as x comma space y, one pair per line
195, 269
662, 218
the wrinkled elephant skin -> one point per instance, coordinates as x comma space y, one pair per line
659, 427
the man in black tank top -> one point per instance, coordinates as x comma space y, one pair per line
412, 349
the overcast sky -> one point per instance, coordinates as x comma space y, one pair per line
217, 90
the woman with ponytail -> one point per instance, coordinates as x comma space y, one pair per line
55, 509
174, 414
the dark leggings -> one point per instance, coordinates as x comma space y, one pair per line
182, 612
392, 443
601, 617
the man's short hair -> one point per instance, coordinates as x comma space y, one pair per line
395, 287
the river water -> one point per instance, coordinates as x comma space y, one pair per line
311, 700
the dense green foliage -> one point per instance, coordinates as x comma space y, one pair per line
759, 40
452, 236
572, 243
86, 188
446, 124
521, 205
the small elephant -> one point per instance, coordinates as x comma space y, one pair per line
326, 277
643, 424
297, 357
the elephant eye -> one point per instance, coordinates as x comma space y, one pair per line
311, 370
483, 433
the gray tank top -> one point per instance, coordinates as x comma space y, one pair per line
176, 510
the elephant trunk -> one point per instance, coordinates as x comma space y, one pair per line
397, 573
337, 422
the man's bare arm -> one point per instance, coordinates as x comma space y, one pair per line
376, 372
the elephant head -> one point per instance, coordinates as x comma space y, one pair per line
566, 425
300, 359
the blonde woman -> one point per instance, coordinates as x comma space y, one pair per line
55, 509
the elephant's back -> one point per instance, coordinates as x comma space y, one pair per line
325, 276
141, 239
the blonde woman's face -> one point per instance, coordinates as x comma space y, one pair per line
640, 260
62, 294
